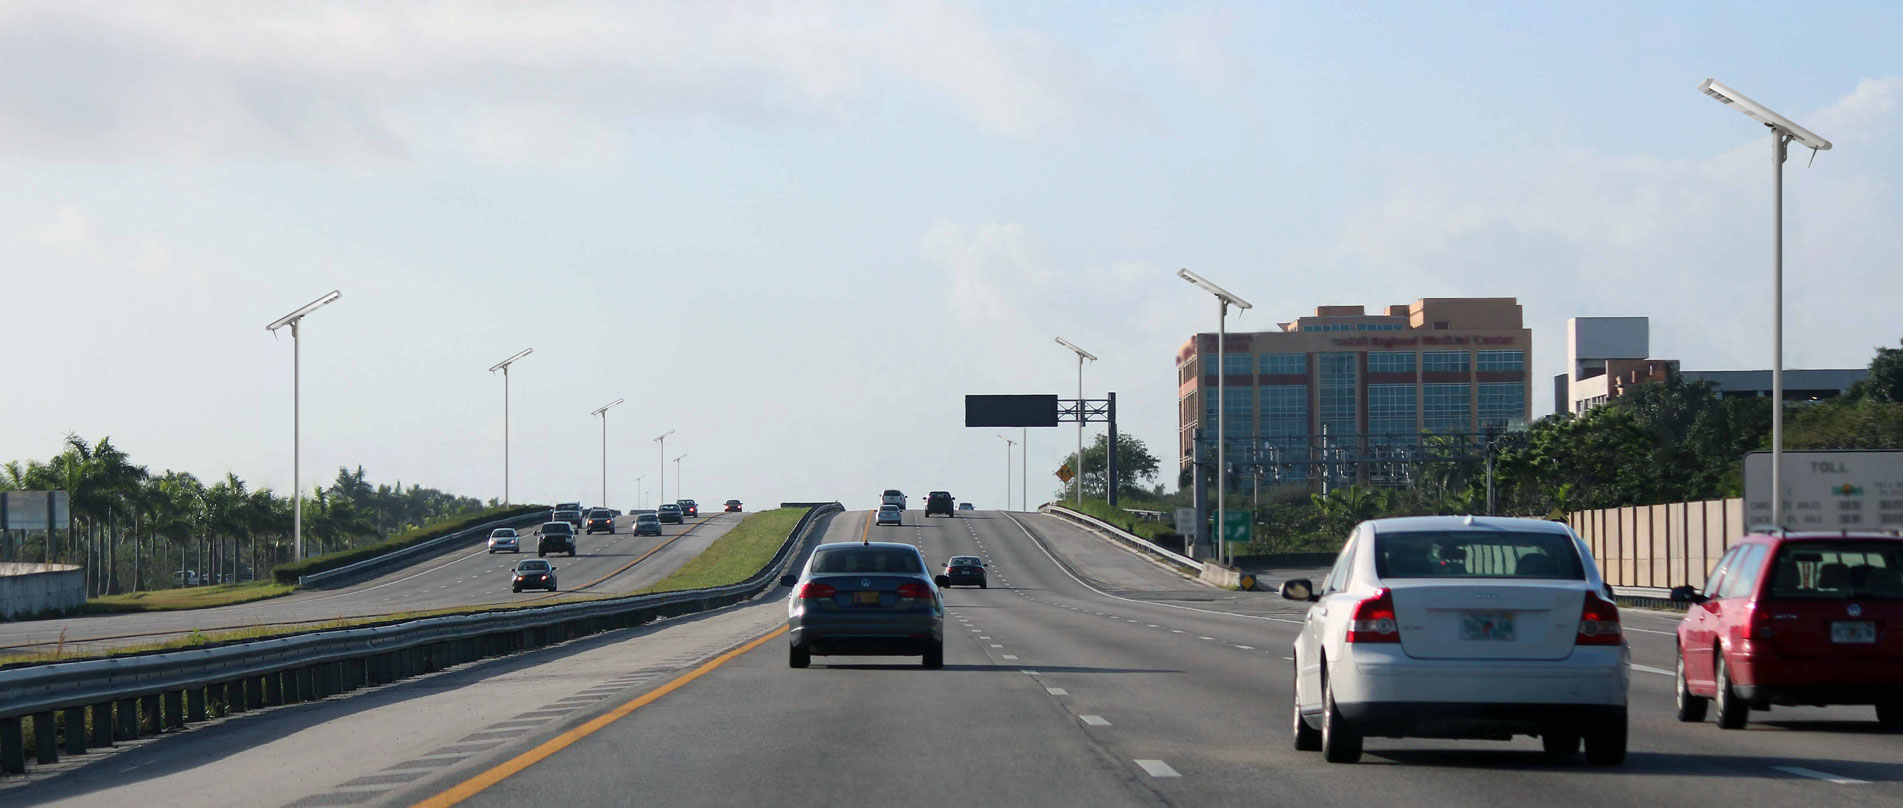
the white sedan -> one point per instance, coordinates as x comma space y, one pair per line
1461, 627
504, 538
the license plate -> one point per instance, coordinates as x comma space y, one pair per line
1487, 626
1853, 631
866, 596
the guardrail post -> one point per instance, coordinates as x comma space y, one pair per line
248, 693
128, 712
102, 723
12, 746
149, 715
195, 704
174, 710
45, 738
75, 720
298, 683
317, 680
273, 690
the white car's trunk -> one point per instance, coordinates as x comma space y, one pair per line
1487, 618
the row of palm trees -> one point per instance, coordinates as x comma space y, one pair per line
136, 530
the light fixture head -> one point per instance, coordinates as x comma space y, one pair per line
511, 360
1080, 352
1757, 112
663, 436
307, 309
605, 407
1212, 288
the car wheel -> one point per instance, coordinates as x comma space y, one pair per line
492, 552
1307, 738
934, 657
539, 553
984, 585
1341, 743
1691, 709
1605, 741
516, 589
797, 656
1732, 711
1560, 742
571, 553
1890, 714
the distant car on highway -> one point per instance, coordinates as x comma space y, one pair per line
670, 512
573, 518
532, 573
892, 496
601, 519
564, 506
966, 506
872, 599
688, 508
890, 515
1446, 626
966, 571
939, 502
647, 524
1795, 619
504, 538
555, 537
733, 506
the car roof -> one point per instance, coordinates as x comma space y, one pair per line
1401, 524
847, 545
563, 524
1813, 535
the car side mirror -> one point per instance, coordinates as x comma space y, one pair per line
941, 580
789, 580
1299, 589
1686, 594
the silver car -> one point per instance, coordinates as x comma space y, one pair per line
891, 515
504, 538
871, 599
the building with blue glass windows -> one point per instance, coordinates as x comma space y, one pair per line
1355, 384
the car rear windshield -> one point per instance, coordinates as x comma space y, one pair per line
533, 566
646, 517
599, 513
893, 492
1477, 554
503, 531
1838, 570
558, 527
866, 559
964, 561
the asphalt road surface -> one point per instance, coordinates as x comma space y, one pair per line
1085, 675
463, 576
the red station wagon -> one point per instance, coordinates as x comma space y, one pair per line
1795, 619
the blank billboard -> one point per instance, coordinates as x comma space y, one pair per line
1010, 410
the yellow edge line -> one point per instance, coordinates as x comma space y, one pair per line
475, 785
866, 533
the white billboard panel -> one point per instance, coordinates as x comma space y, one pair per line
1828, 490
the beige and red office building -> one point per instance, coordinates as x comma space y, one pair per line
1438, 365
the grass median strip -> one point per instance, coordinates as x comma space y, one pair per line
736, 556
196, 597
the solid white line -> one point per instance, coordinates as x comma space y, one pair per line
1057, 691
1157, 768
1649, 631
1824, 776
1094, 720
1649, 669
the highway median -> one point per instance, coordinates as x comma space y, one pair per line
736, 556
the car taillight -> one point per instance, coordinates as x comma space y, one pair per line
1374, 620
1760, 623
814, 589
914, 591
1599, 622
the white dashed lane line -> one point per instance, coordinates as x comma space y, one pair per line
1157, 768
1057, 691
1824, 776
1093, 720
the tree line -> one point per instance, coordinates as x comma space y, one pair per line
134, 529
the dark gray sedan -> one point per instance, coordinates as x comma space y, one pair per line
871, 599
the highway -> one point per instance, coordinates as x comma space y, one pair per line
1085, 675
462, 576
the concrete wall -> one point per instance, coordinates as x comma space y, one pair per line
31, 589
1660, 545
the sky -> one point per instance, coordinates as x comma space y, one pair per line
799, 233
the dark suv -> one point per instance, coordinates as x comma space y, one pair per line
939, 502
555, 537
689, 508
601, 519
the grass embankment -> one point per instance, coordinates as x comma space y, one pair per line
194, 597
1123, 519
736, 556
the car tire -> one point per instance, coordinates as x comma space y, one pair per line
797, 656
1560, 742
1690, 709
571, 553
1341, 743
984, 584
539, 553
1732, 711
934, 657
1606, 740
1890, 714
1307, 738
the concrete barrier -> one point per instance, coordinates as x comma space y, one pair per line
27, 590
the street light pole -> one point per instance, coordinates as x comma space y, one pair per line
1783, 131
661, 495
1079, 471
1024, 468
295, 319
1008, 443
1223, 301
603, 412
640, 492
504, 367
677, 475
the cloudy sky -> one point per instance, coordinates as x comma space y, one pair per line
799, 233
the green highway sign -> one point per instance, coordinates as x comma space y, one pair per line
1236, 526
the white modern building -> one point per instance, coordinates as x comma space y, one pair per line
1605, 356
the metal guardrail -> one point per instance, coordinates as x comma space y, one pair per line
1125, 536
126, 697
332, 577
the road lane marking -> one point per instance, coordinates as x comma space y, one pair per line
1246, 647
475, 785
1157, 768
1093, 720
995, 645
1009, 656
1057, 691
1650, 631
1206, 638
1824, 776
1649, 669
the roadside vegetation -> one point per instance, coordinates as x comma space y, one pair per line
196, 597
288, 573
736, 556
